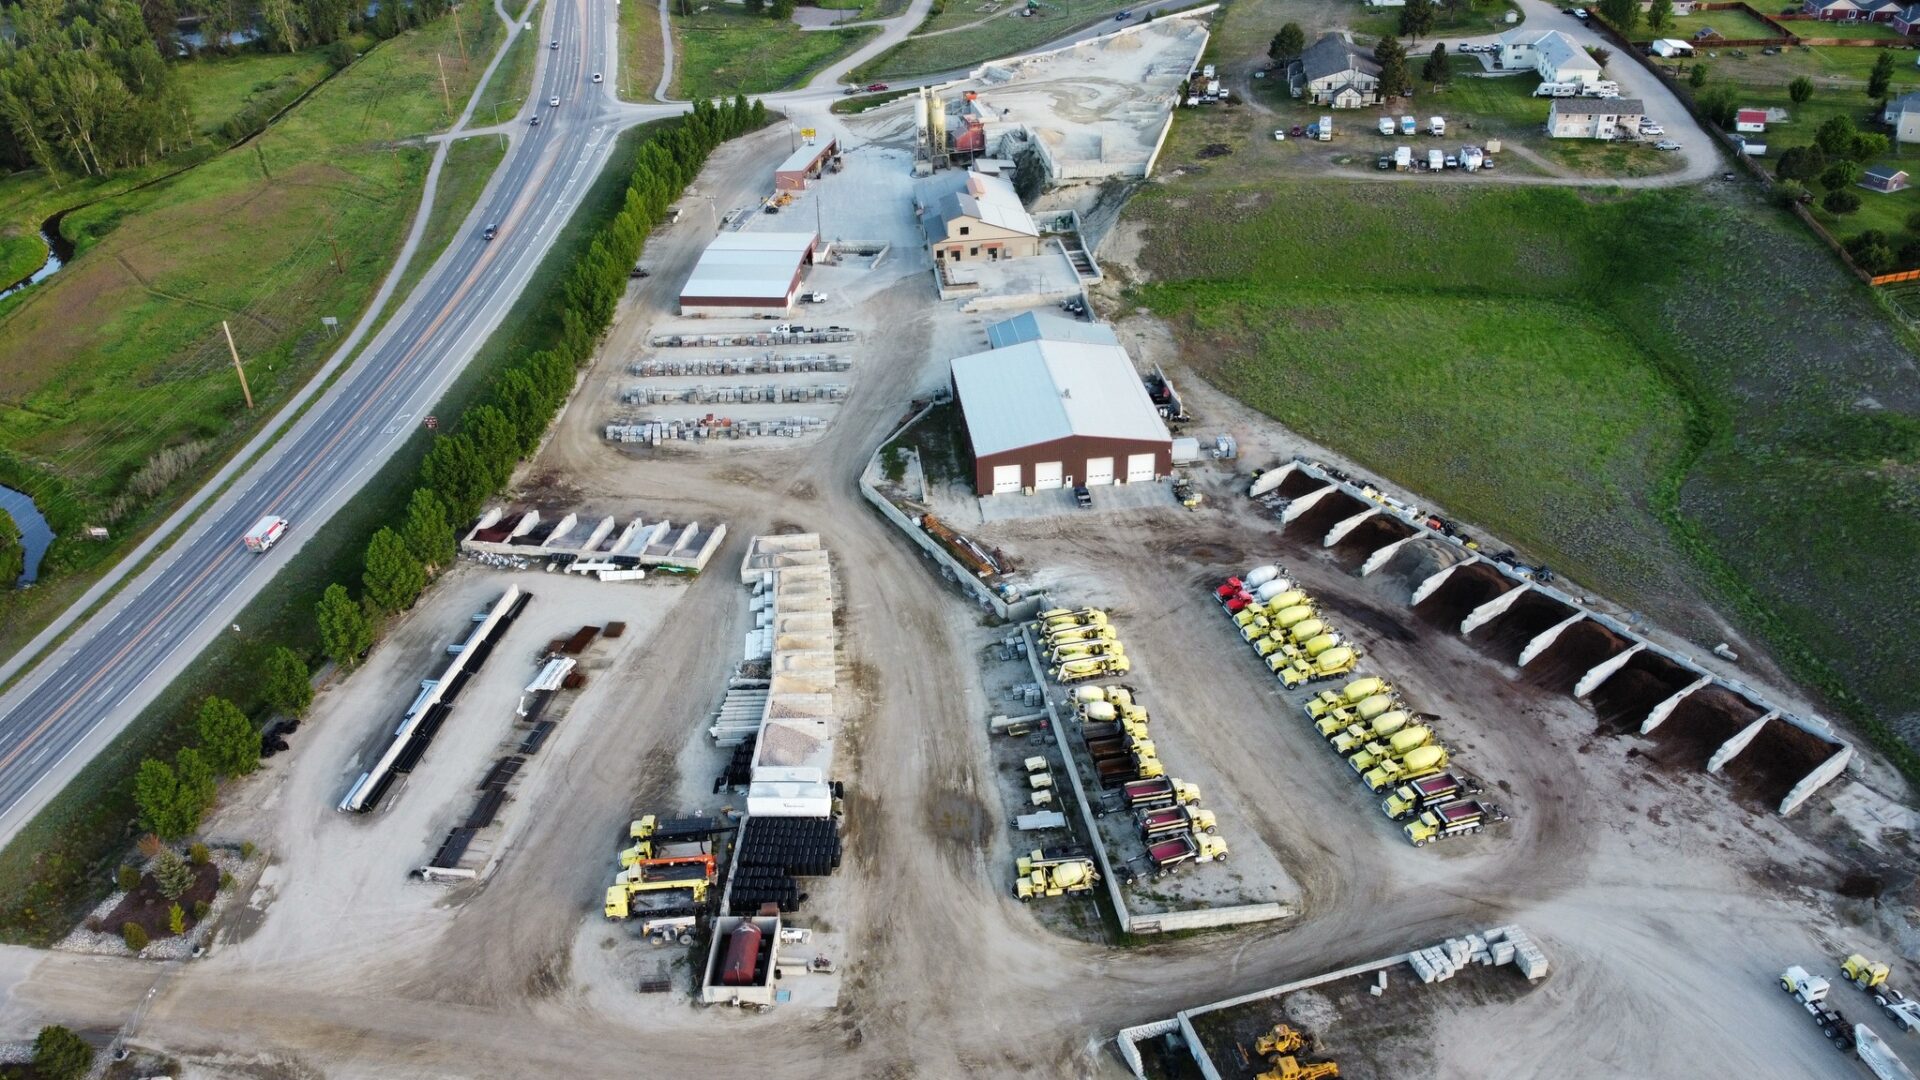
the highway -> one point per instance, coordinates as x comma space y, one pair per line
113, 665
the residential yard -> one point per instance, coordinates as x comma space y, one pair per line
965, 35
1736, 413
641, 52
1730, 23
720, 53
1473, 19
513, 80
122, 397
1851, 31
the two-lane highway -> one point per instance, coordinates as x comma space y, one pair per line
84, 694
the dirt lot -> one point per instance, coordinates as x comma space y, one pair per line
1666, 906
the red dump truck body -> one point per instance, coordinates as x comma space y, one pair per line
1172, 851
1115, 772
743, 956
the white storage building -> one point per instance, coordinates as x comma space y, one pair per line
748, 274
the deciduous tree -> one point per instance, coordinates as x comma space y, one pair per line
344, 631
228, 739
1799, 90
428, 534
393, 578
1290, 42
285, 683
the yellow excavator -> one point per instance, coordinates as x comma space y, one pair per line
1287, 1068
1283, 1039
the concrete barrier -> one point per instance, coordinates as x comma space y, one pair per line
1606, 669
1305, 503
1339, 531
1492, 609
1822, 774
1732, 747
1269, 480
1659, 713
1544, 640
1385, 555
1436, 579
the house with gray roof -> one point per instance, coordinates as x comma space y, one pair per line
1335, 73
1903, 115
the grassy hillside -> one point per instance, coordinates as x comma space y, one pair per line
1648, 390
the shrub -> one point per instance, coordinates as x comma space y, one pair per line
198, 855
59, 1054
128, 878
246, 849
1871, 251
201, 909
1697, 78
1840, 202
226, 881
1790, 192
172, 874
134, 936
176, 920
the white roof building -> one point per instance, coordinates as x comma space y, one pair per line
748, 274
1048, 413
1551, 53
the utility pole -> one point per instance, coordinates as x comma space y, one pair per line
242, 372
460, 35
338, 266
440, 62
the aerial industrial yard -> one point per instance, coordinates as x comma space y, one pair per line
898, 659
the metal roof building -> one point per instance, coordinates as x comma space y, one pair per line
1036, 325
1047, 414
748, 274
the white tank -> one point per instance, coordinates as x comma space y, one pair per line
1260, 575
1090, 693
1272, 589
1098, 712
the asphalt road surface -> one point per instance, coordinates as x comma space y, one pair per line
91, 688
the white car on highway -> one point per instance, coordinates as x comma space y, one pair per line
554, 101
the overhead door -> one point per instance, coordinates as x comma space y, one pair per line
1006, 478
1099, 471
1139, 467
1046, 475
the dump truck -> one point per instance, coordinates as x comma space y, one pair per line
1425, 761
1093, 668
1159, 791
1410, 798
1870, 976
1457, 818
1331, 664
1355, 739
1167, 854
1116, 772
1351, 694
1147, 766
674, 830
651, 849
1107, 749
1392, 748
265, 533
626, 900
1061, 879
1176, 818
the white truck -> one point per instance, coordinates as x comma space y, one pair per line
1403, 158
1326, 129
1436, 161
265, 533
1437, 125
1386, 125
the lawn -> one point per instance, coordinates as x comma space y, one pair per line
125, 397
512, 81
218, 87
1857, 31
867, 9
641, 52
1474, 19
1637, 430
1730, 23
723, 53
22, 252
60, 864
931, 50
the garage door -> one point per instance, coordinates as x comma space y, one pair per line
1099, 471
1046, 475
1139, 467
1006, 478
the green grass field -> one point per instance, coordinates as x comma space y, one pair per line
1693, 425
867, 9
1730, 23
512, 81
218, 86
1860, 31
122, 359
723, 53
1472, 20
1003, 35
62, 862
21, 253
641, 53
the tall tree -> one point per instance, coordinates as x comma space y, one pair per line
285, 683
169, 807
1881, 76
1435, 70
1290, 42
1416, 18
1623, 14
1660, 16
454, 471
428, 536
1799, 90
197, 784
393, 577
1392, 58
228, 739
1697, 78
344, 631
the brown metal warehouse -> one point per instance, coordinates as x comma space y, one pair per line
1047, 414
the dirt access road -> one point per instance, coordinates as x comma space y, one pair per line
1665, 908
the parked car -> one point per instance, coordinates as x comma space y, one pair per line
1652, 129
1279, 135
814, 297
1669, 145
1383, 163
1082, 497
1580, 13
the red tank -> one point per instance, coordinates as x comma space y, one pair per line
743, 956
